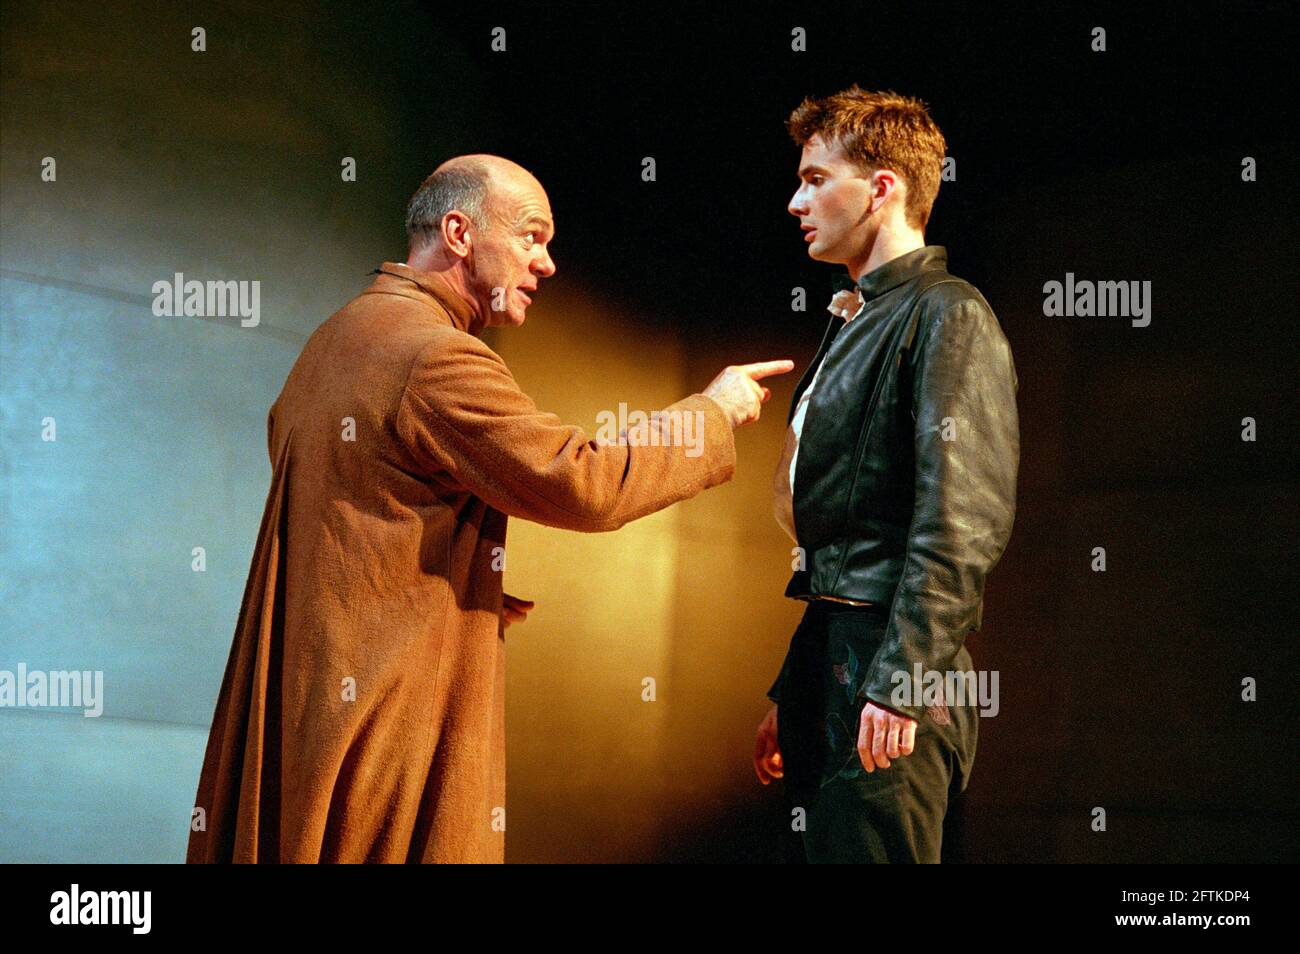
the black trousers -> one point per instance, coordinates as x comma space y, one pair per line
892, 815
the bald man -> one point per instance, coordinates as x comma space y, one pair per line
361, 717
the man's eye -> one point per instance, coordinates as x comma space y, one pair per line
815, 180
531, 238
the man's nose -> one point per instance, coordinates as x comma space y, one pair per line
545, 267
797, 204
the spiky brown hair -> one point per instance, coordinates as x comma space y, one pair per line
879, 130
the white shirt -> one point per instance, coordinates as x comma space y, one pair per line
783, 484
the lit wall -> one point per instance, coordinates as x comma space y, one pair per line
689, 597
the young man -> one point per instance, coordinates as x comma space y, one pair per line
898, 485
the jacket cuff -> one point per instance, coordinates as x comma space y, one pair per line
775, 692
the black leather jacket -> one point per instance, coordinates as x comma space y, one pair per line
905, 487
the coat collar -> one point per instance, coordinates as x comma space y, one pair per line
895, 272
398, 278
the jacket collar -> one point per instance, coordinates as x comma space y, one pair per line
398, 278
895, 272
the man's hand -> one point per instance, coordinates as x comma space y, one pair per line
736, 391
883, 735
767, 754
513, 609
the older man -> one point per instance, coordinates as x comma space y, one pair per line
361, 717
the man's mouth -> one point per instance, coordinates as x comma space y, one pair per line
524, 293
808, 232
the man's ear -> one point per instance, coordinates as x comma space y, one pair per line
456, 233
883, 184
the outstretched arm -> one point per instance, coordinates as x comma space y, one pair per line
463, 414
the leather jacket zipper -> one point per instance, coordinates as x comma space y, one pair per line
865, 439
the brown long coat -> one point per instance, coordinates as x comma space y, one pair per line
376, 568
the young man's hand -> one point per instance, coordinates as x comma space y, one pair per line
767, 754
883, 735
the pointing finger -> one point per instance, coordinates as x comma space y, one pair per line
762, 369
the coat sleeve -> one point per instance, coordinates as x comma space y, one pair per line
463, 415
963, 387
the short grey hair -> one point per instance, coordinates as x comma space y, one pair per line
462, 188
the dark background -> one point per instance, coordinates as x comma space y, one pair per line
1023, 101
